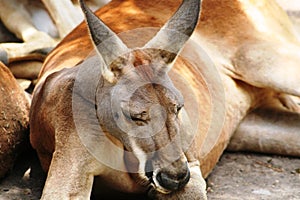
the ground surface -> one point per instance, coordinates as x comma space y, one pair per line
237, 176
252, 176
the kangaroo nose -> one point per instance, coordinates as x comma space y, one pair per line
171, 181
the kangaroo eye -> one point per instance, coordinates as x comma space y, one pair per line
140, 118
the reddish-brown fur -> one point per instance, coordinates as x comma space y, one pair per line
224, 28
14, 119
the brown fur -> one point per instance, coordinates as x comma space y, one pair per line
225, 30
14, 119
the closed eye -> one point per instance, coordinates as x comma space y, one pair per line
139, 122
140, 118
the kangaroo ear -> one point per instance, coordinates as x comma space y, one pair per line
177, 30
108, 45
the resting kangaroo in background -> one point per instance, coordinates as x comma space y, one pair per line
40, 24
146, 113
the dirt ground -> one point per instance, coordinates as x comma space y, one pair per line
237, 176
252, 176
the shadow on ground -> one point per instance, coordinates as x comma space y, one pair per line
237, 176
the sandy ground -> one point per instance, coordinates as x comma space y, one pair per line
237, 176
25, 181
254, 176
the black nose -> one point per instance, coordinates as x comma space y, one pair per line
171, 181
